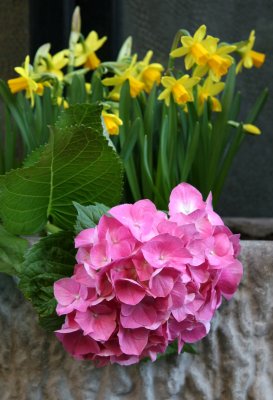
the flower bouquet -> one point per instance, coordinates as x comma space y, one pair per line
120, 283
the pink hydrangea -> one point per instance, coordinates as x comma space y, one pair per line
144, 279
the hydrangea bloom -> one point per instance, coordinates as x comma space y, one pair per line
144, 279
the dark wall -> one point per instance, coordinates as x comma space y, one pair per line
53, 24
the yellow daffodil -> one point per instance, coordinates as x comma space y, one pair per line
209, 90
85, 52
62, 102
136, 86
248, 128
193, 49
181, 89
218, 61
252, 129
150, 74
88, 87
249, 56
112, 123
25, 82
53, 64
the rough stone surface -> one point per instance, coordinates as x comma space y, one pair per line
235, 361
252, 228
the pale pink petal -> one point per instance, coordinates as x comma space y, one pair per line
166, 250
100, 255
66, 290
85, 237
185, 199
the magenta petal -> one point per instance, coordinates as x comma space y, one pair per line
178, 294
133, 341
98, 321
99, 254
192, 334
129, 291
140, 315
161, 282
66, 290
230, 278
165, 250
77, 344
85, 238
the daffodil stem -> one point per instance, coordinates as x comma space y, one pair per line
50, 228
179, 34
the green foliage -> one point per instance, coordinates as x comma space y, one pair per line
52, 258
12, 250
76, 165
163, 146
88, 216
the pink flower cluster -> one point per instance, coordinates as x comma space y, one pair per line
144, 279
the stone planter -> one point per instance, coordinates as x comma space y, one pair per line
235, 360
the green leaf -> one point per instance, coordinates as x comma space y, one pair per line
97, 88
130, 140
77, 91
190, 152
89, 216
76, 165
258, 106
12, 250
173, 349
34, 157
52, 258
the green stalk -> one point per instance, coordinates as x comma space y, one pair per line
179, 34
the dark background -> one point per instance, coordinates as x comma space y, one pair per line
248, 191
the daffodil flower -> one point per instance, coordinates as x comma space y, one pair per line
193, 49
85, 52
252, 129
53, 64
136, 86
209, 90
88, 87
62, 102
249, 56
180, 89
112, 123
150, 74
218, 61
248, 128
25, 82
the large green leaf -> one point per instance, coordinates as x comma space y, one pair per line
12, 250
76, 165
52, 258
89, 216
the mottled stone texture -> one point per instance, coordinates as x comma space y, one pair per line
153, 24
235, 361
251, 228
